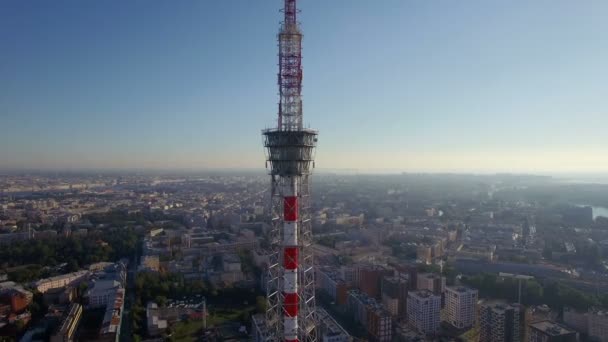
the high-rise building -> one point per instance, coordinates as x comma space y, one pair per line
357, 306
379, 324
499, 322
370, 314
423, 311
549, 331
369, 278
394, 294
330, 281
432, 282
461, 303
407, 270
290, 156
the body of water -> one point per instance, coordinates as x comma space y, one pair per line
599, 211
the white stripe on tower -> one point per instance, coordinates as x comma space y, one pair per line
290, 262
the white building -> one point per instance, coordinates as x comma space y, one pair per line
102, 293
423, 311
460, 306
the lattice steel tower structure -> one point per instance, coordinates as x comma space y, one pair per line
290, 148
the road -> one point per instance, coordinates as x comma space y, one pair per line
126, 329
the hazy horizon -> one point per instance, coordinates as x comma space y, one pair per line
431, 87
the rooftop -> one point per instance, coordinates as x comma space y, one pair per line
460, 289
551, 328
423, 294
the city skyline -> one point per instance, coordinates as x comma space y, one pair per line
435, 87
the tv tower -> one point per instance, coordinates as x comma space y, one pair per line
290, 149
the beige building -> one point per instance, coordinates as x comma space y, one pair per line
432, 282
460, 306
60, 281
598, 325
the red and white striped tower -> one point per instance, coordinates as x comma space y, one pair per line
290, 153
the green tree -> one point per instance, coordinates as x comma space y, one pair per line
260, 304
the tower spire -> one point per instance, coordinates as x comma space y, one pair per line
290, 70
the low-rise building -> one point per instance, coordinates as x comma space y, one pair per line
549, 331
102, 292
59, 281
69, 324
17, 298
112, 319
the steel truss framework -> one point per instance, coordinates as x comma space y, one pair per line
290, 149
306, 279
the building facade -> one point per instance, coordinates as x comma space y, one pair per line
431, 282
394, 294
423, 311
598, 325
69, 324
549, 331
379, 324
461, 306
499, 322
44, 285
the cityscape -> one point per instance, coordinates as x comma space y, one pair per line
294, 247
151, 256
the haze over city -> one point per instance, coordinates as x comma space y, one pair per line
395, 86
197, 171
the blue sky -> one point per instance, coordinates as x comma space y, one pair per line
474, 85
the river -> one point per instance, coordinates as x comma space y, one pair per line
599, 211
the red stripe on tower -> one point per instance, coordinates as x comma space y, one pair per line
290, 208
291, 304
